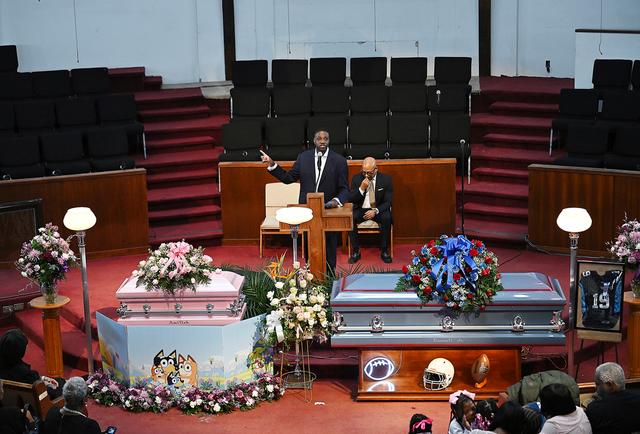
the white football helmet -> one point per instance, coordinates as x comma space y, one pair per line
438, 375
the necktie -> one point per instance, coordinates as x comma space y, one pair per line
372, 195
319, 165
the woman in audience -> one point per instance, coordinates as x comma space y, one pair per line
563, 417
13, 346
12, 421
72, 418
420, 424
463, 414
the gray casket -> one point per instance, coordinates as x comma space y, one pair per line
370, 313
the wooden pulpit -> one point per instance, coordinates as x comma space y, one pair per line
324, 220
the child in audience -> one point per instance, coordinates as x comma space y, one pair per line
463, 411
485, 412
420, 424
563, 417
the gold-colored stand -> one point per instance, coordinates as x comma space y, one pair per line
300, 378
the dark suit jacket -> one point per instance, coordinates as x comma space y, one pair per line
384, 192
333, 182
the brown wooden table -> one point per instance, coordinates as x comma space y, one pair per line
424, 198
633, 334
51, 332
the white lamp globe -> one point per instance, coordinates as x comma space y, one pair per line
574, 220
294, 215
79, 219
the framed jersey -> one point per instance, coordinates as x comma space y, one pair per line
600, 292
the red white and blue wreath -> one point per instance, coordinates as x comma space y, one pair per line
454, 271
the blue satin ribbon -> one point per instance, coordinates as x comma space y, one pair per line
456, 251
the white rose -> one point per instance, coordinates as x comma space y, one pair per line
270, 295
54, 254
303, 284
56, 235
270, 388
21, 260
296, 265
36, 267
320, 298
293, 291
297, 310
154, 268
302, 297
198, 401
216, 407
218, 270
323, 323
104, 389
127, 403
206, 258
142, 263
275, 302
24, 274
311, 321
193, 280
158, 400
192, 404
250, 402
307, 315
300, 316
309, 277
155, 281
65, 256
313, 299
317, 307
254, 393
279, 285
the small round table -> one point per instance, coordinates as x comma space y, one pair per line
633, 334
52, 336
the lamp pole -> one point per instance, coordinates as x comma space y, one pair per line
294, 235
573, 249
85, 298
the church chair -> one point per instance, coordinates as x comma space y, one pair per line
8, 58
408, 70
368, 137
285, 138
249, 73
452, 70
242, 141
370, 227
369, 100
330, 100
63, 153
291, 101
611, 74
586, 146
336, 126
366, 71
108, 149
250, 103
328, 71
408, 99
19, 394
121, 111
20, 158
625, 152
635, 76
7, 119
51, 84
15, 86
576, 106
289, 72
277, 195
451, 98
89, 81
619, 108
33, 117
446, 132
76, 114
409, 136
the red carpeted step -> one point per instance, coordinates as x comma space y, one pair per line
498, 174
174, 113
183, 193
168, 159
190, 232
512, 108
169, 95
153, 82
195, 142
511, 141
185, 128
204, 174
184, 212
516, 159
496, 210
74, 341
515, 122
494, 193
127, 71
219, 106
495, 232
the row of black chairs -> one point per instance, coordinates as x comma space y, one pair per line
8, 58
356, 137
602, 146
616, 74
331, 71
54, 84
64, 114
64, 153
609, 109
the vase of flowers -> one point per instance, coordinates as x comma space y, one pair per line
626, 248
459, 273
45, 260
174, 267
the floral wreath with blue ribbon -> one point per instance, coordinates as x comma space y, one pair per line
454, 271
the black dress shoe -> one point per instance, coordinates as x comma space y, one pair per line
355, 257
386, 257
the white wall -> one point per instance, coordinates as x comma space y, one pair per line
182, 40
591, 46
356, 28
525, 33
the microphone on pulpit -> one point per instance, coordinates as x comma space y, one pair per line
463, 143
438, 96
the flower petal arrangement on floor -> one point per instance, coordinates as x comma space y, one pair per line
159, 398
174, 267
459, 273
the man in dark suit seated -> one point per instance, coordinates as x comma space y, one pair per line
318, 170
371, 195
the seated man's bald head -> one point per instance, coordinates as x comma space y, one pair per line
368, 164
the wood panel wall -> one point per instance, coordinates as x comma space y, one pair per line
118, 199
606, 194
424, 198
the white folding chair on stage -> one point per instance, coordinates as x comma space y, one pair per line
277, 195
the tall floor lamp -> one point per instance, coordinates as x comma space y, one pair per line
81, 219
573, 221
294, 216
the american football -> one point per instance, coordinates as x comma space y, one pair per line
379, 368
480, 370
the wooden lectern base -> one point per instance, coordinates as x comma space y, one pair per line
406, 383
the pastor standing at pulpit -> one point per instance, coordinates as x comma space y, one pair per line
371, 195
318, 170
